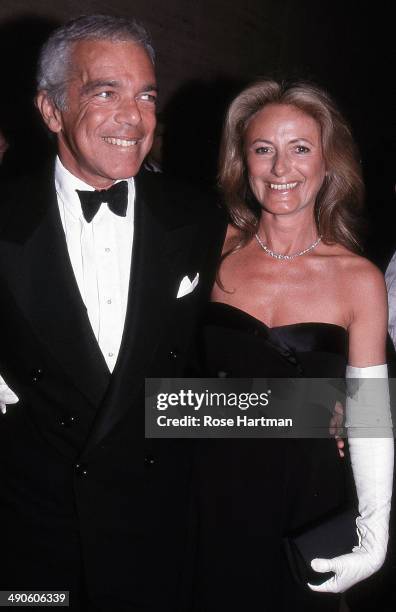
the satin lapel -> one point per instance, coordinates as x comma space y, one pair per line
153, 284
46, 291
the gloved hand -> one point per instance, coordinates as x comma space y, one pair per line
7, 396
372, 465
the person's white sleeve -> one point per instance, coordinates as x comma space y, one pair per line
390, 280
7, 396
367, 414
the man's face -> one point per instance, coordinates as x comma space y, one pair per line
107, 129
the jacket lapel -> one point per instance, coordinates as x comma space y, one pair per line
153, 287
41, 277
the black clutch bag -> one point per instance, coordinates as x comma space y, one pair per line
331, 537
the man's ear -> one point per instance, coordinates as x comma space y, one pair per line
49, 112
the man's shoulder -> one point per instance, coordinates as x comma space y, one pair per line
12, 197
25, 195
173, 199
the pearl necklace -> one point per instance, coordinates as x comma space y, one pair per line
286, 257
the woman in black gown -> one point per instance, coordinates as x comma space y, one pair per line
293, 298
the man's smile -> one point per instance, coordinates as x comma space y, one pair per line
121, 142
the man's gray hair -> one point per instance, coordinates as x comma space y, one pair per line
55, 58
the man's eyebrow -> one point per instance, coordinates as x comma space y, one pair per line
149, 87
91, 85
98, 83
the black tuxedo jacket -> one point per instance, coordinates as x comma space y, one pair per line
86, 503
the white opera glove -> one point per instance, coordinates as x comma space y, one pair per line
372, 466
7, 396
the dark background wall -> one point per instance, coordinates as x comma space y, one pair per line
208, 49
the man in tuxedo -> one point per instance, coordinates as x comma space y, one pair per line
103, 271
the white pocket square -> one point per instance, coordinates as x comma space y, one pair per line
187, 286
7, 396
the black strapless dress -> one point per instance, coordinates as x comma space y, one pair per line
251, 492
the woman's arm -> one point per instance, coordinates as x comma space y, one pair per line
369, 316
367, 418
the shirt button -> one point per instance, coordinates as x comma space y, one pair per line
68, 421
81, 469
107, 250
109, 301
36, 375
110, 354
149, 461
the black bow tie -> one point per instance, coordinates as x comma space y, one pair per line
116, 197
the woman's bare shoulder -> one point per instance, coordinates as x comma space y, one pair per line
354, 267
363, 272
360, 282
364, 286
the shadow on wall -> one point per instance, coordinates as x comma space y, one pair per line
193, 120
28, 142
380, 177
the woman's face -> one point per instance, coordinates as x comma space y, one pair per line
284, 158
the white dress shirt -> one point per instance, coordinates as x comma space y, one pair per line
390, 279
100, 255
